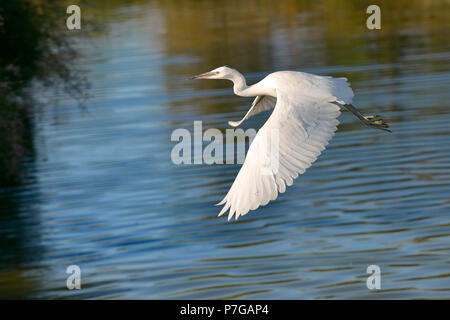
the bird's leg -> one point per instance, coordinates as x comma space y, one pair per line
370, 121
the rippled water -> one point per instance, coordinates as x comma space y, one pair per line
103, 193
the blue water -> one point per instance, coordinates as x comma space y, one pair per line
103, 193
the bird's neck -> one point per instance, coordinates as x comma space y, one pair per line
240, 87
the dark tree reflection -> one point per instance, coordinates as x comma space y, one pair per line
34, 48
35, 52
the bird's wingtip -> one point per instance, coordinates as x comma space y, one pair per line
221, 202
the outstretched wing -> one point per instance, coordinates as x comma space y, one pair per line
260, 104
286, 145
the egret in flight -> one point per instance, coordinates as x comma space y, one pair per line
303, 121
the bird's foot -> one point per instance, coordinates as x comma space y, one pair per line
376, 122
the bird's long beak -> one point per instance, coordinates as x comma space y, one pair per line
205, 75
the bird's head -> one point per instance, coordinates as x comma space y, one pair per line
218, 73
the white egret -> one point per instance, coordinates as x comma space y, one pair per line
305, 110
